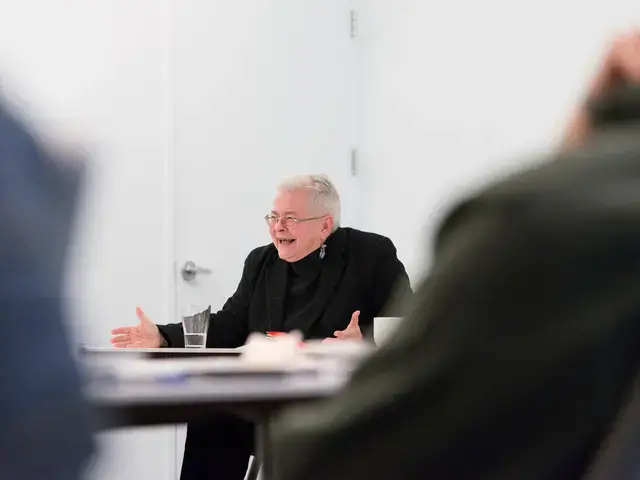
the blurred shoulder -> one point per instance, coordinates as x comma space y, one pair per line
585, 187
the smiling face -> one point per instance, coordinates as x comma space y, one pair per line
295, 240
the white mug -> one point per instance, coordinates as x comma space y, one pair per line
383, 327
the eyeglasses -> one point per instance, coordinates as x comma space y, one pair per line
289, 221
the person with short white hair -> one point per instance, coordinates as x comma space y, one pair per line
316, 276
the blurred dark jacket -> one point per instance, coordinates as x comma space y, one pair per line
44, 428
520, 347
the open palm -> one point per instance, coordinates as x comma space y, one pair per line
352, 332
143, 335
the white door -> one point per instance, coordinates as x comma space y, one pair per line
263, 89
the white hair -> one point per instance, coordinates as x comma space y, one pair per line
323, 194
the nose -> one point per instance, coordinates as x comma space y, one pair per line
278, 226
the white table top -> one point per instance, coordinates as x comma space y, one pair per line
195, 351
337, 349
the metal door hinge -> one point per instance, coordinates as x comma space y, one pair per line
354, 162
353, 23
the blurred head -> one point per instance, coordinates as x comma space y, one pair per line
306, 210
613, 93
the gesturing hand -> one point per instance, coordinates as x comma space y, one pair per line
143, 335
352, 332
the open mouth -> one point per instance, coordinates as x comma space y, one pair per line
286, 241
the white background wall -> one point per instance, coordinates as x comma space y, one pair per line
454, 92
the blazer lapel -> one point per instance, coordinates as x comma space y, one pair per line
332, 271
276, 292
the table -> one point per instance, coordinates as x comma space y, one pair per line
255, 397
159, 352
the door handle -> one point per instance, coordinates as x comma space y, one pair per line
190, 270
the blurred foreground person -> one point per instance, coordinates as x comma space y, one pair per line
522, 346
44, 433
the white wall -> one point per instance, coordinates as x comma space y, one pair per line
453, 92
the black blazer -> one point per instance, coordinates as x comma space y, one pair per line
361, 271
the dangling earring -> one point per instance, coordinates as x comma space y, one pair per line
323, 247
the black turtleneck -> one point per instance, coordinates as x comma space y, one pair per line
302, 285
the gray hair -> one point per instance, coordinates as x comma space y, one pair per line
323, 194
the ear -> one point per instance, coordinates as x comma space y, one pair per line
327, 226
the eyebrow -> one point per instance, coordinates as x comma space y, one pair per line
287, 212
